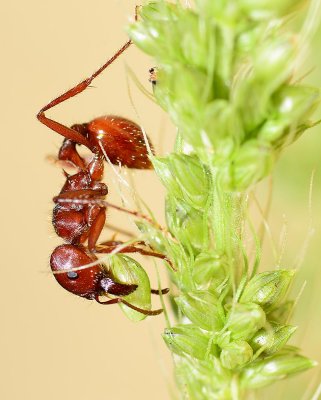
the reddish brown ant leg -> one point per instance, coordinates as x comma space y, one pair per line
162, 291
95, 229
63, 130
119, 300
116, 288
96, 167
134, 249
106, 204
69, 196
109, 243
116, 230
69, 153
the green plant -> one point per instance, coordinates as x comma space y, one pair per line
226, 77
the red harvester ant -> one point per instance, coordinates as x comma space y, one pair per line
80, 211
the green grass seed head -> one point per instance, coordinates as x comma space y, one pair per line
226, 76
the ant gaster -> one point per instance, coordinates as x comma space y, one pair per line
122, 142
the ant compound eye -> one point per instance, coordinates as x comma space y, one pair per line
72, 275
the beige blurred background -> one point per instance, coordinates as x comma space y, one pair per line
58, 346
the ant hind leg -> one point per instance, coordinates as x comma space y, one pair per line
63, 130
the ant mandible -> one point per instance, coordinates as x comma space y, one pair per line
121, 141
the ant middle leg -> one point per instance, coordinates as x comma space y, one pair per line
109, 246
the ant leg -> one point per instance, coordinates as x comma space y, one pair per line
119, 230
103, 203
133, 249
75, 196
119, 300
96, 167
162, 291
63, 130
116, 288
69, 153
95, 229
129, 249
109, 243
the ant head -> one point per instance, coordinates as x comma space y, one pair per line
83, 282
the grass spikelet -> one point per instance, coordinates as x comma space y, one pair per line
226, 77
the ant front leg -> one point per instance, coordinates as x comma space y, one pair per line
63, 130
119, 300
109, 246
115, 288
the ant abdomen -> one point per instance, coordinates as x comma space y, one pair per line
119, 139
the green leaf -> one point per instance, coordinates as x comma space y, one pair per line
184, 177
157, 22
245, 320
155, 238
222, 120
163, 169
273, 61
189, 340
290, 109
264, 9
127, 270
202, 308
268, 288
209, 271
272, 338
236, 354
281, 313
271, 369
250, 164
186, 223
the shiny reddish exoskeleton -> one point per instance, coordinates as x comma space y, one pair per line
80, 212
77, 222
88, 282
121, 140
